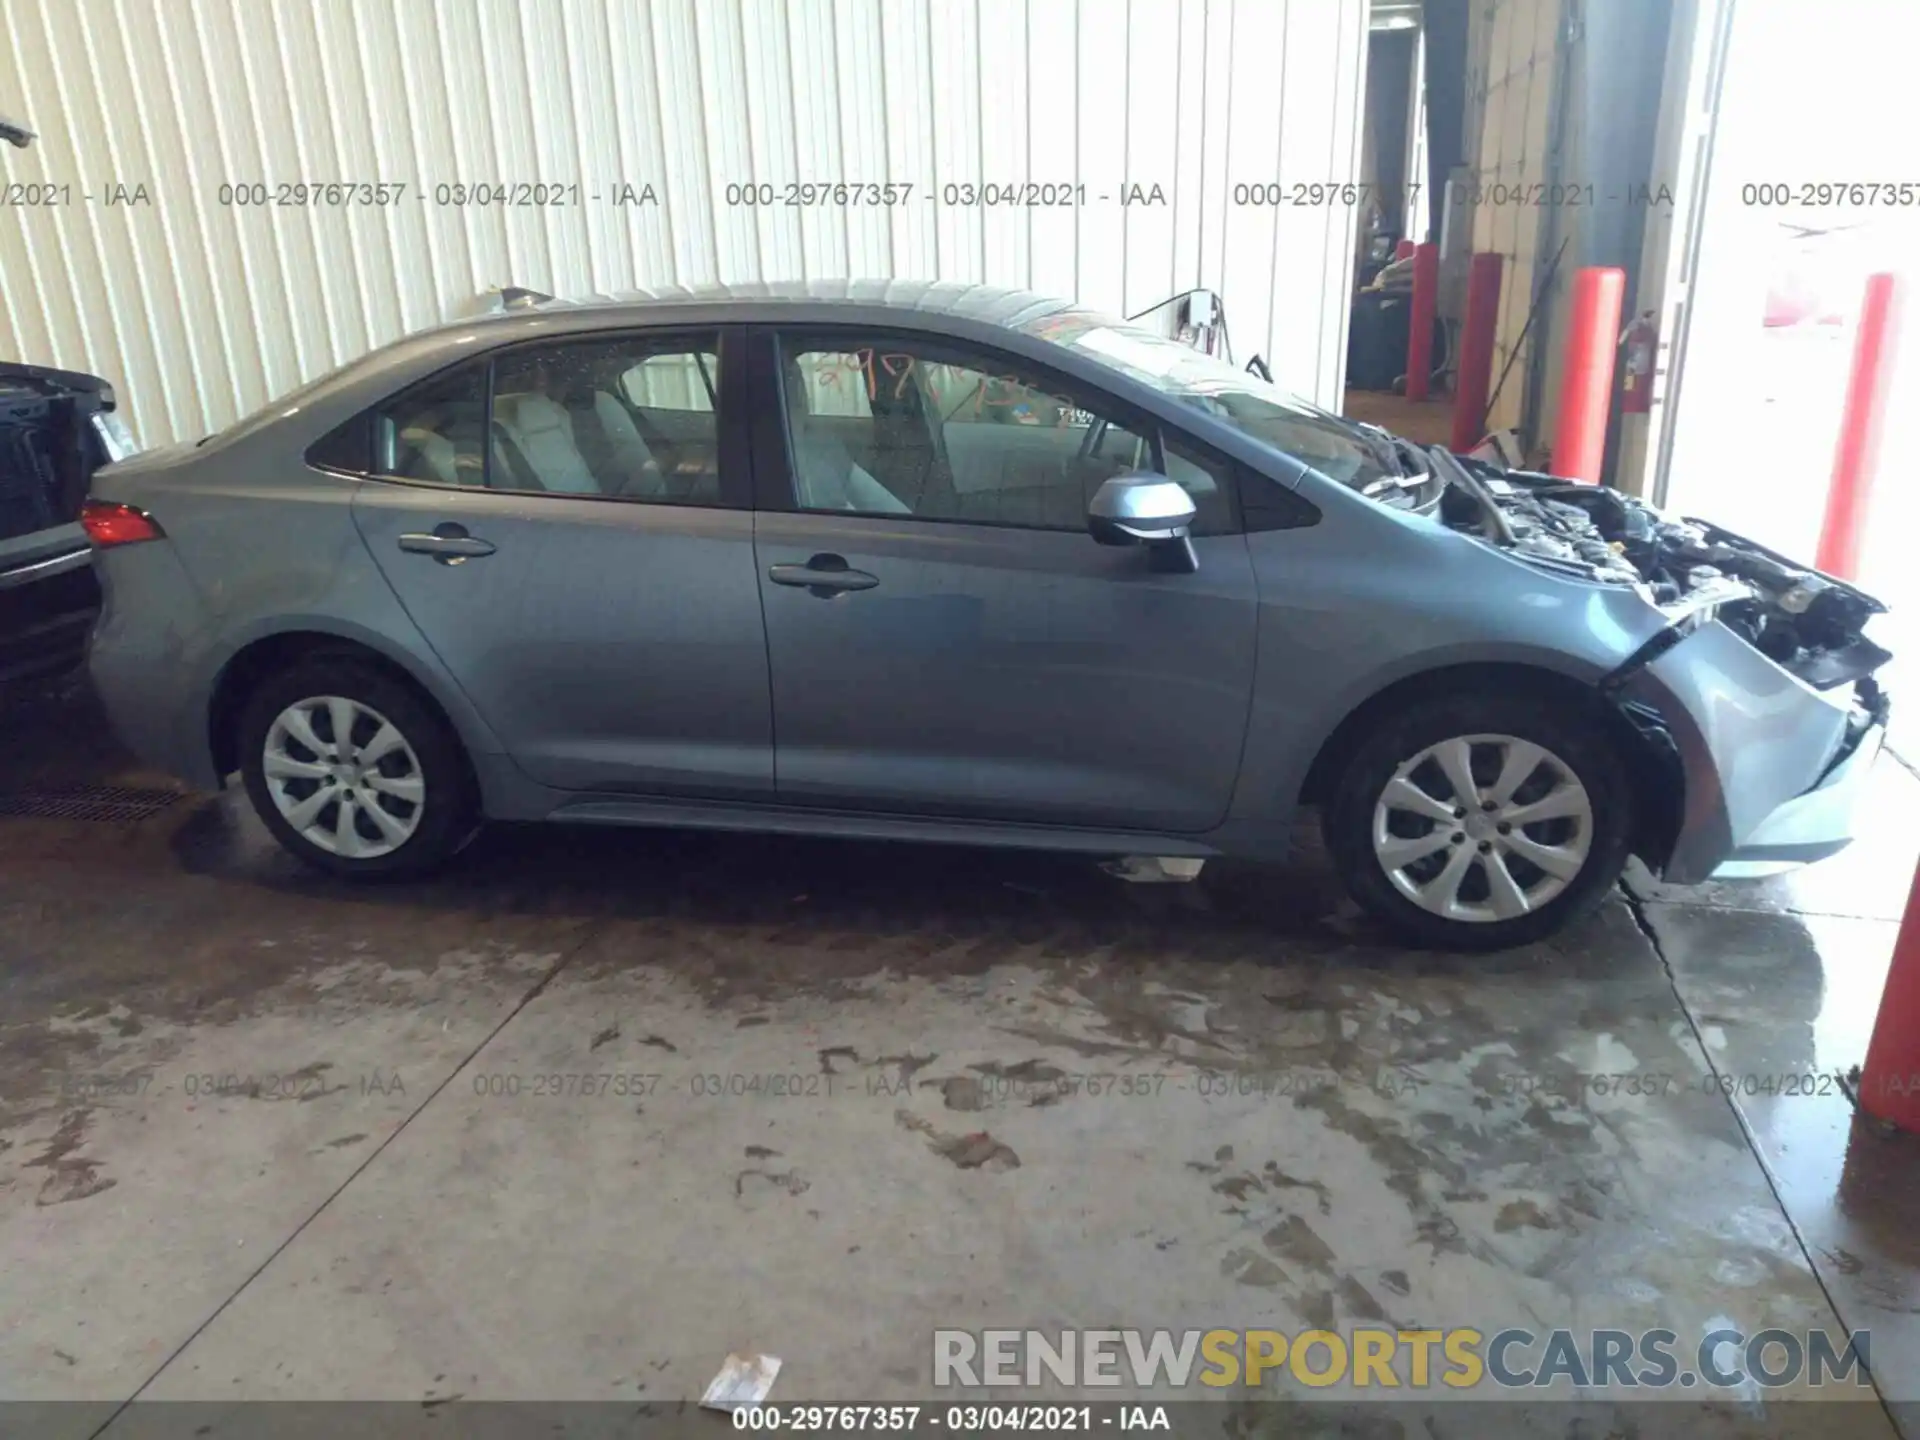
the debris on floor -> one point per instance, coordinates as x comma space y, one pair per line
743, 1380
1154, 869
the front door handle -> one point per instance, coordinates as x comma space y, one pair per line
824, 576
449, 544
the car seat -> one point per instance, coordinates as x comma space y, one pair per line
541, 431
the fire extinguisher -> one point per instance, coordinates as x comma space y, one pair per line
1639, 343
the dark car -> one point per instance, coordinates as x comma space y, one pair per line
56, 428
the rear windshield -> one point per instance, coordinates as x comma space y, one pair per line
1261, 411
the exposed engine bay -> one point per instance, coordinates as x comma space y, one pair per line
1804, 622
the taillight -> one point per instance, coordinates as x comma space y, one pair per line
108, 524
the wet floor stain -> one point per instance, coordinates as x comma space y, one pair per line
70, 1176
789, 1182
1250, 1267
1521, 1214
963, 1092
1294, 1240
975, 1151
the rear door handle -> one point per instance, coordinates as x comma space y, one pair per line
449, 544
824, 576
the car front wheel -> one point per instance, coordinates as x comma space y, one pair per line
1476, 823
354, 772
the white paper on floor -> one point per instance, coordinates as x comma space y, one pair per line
743, 1380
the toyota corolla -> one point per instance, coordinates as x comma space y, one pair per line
947, 563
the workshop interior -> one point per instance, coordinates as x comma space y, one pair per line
958, 715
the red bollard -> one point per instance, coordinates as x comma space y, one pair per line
1402, 249
1426, 298
1476, 351
1890, 1080
1586, 379
1858, 454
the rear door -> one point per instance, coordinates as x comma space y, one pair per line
592, 590
945, 636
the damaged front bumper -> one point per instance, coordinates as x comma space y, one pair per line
1771, 768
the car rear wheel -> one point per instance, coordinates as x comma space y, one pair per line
1476, 823
354, 772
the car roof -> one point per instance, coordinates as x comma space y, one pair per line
957, 310
775, 299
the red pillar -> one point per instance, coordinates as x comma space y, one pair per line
1586, 379
1890, 1080
1858, 454
1476, 351
1402, 249
1426, 296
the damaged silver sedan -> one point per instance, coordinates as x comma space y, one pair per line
945, 563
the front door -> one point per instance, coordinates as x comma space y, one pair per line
575, 545
947, 639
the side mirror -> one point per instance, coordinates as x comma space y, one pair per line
1145, 509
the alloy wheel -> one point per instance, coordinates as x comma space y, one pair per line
1482, 828
344, 777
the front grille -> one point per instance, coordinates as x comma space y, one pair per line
110, 803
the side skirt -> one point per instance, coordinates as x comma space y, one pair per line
852, 825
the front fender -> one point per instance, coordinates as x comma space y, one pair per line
1369, 599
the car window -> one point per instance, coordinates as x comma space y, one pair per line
942, 432
436, 431
632, 418
681, 381
1336, 447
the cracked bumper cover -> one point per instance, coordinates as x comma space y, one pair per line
1773, 769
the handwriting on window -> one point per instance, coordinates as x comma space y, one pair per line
959, 391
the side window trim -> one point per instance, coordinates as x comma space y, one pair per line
1226, 470
487, 421
1285, 508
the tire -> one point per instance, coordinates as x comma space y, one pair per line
1484, 891
286, 766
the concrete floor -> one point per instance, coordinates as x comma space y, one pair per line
255, 1140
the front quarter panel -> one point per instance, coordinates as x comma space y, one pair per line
1371, 596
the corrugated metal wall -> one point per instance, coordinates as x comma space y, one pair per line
202, 310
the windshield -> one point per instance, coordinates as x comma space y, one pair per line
1257, 409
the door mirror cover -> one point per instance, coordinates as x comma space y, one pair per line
1137, 508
